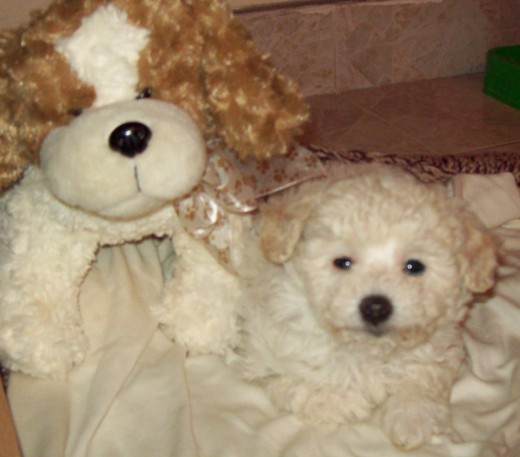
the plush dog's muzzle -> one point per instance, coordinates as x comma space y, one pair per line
122, 160
375, 310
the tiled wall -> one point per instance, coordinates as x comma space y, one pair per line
333, 47
15, 12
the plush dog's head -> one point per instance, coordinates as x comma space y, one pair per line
381, 253
120, 98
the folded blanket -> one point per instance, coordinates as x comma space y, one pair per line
138, 394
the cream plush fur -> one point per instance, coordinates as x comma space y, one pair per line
311, 338
79, 73
56, 219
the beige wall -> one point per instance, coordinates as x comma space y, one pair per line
333, 47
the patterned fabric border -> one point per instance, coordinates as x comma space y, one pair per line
433, 168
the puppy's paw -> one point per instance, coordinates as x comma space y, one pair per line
411, 422
319, 407
328, 409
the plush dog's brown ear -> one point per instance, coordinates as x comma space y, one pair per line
255, 110
37, 86
12, 161
12, 164
479, 254
281, 225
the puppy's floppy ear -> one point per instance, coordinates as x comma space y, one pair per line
282, 224
478, 254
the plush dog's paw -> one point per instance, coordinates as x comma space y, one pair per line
56, 360
411, 422
213, 335
43, 354
198, 309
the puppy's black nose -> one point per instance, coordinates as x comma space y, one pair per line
375, 309
130, 138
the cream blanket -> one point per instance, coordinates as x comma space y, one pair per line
138, 394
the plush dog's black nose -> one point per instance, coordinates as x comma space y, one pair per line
130, 138
375, 309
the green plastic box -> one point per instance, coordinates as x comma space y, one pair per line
502, 79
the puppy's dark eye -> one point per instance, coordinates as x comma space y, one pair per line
145, 93
342, 263
414, 267
75, 111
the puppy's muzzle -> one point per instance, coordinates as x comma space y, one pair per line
375, 309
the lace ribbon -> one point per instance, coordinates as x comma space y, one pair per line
229, 186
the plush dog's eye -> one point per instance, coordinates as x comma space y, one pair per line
145, 93
343, 263
414, 267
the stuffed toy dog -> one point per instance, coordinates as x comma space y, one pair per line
112, 116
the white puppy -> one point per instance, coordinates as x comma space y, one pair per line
371, 275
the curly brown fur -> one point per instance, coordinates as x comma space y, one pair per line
200, 58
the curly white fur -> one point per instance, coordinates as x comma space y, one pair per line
104, 52
47, 249
305, 335
89, 193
